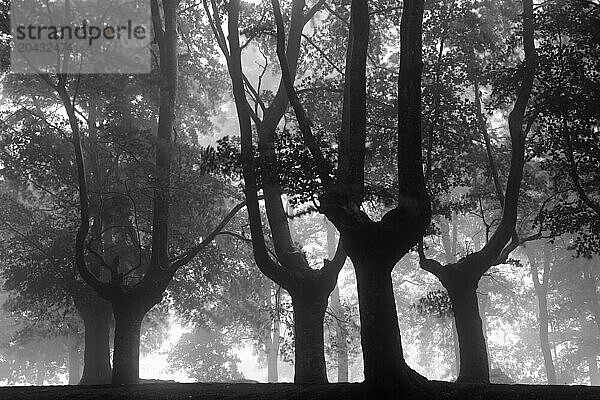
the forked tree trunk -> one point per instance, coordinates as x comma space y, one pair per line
309, 350
126, 356
474, 363
96, 355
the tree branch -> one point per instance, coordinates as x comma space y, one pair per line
324, 167
506, 228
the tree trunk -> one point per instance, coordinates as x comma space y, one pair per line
384, 366
590, 279
96, 356
309, 351
544, 342
474, 364
272, 356
126, 356
273, 346
338, 312
74, 359
541, 291
593, 369
340, 336
41, 372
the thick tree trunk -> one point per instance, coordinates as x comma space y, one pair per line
474, 364
385, 369
309, 351
126, 356
96, 356
73, 345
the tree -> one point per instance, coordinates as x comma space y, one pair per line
541, 291
461, 278
308, 288
40, 243
374, 247
206, 357
569, 118
224, 291
130, 303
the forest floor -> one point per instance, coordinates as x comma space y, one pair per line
244, 391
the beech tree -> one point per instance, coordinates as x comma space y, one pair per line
374, 247
37, 179
132, 300
308, 288
461, 278
541, 284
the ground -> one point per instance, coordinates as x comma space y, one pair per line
239, 391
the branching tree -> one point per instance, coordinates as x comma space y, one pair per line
309, 288
374, 247
462, 278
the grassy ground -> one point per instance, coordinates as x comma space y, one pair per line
239, 391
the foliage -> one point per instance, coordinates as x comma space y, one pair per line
205, 356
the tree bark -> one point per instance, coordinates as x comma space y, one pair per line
385, 369
73, 345
474, 363
96, 315
309, 354
128, 324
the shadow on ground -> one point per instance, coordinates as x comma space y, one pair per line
242, 391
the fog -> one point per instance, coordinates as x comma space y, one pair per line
403, 195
